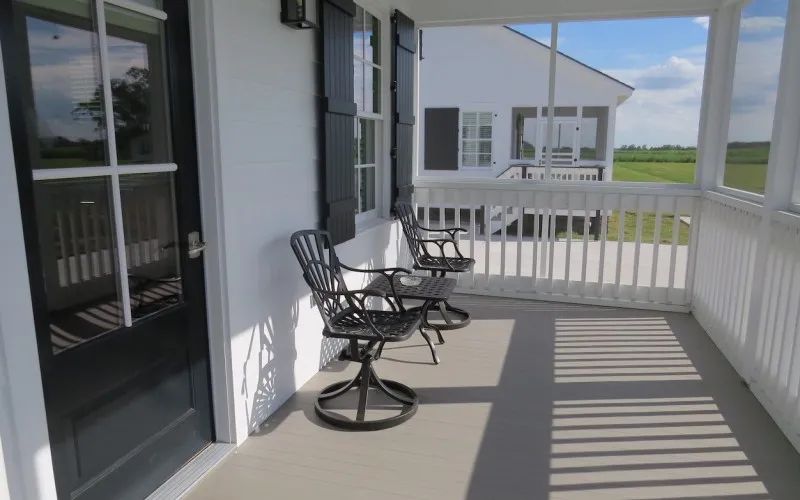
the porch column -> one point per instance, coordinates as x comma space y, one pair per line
716, 100
781, 167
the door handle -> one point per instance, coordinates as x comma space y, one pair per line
196, 247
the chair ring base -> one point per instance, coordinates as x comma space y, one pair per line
342, 422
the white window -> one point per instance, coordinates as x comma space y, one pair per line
366, 165
755, 84
368, 94
367, 62
476, 139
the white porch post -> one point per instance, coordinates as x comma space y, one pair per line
717, 90
780, 174
611, 127
551, 101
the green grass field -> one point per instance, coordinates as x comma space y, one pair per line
654, 172
746, 166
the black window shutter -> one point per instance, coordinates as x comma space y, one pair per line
338, 110
441, 139
403, 61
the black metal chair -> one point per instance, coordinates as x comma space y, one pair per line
347, 315
437, 265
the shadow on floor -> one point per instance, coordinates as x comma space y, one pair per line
536, 401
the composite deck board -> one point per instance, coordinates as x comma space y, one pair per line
496, 420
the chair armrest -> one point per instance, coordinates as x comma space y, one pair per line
450, 230
388, 272
441, 244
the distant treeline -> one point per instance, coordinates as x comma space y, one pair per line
738, 152
665, 147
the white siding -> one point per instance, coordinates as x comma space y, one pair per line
491, 68
268, 175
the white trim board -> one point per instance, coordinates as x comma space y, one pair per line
23, 422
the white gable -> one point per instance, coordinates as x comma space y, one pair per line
471, 64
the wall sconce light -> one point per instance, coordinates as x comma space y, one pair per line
299, 14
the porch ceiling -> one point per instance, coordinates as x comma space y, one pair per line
448, 12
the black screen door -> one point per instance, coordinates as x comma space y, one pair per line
101, 102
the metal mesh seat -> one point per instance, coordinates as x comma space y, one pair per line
394, 326
445, 264
347, 315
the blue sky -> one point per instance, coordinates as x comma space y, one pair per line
665, 60
623, 44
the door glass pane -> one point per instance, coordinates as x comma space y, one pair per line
594, 133
151, 241
78, 252
564, 138
138, 85
523, 142
755, 90
66, 96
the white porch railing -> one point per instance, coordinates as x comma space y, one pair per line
764, 350
586, 242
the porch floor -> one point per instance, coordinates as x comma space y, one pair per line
533, 400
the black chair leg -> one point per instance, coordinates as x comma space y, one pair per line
430, 345
365, 379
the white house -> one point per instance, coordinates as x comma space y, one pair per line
484, 95
156, 156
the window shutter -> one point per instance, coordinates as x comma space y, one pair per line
403, 61
339, 111
441, 139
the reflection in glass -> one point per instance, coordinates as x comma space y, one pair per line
78, 252
66, 85
151, 241
755, 88
366, 193
372, 89
366, 141
138, 85
372, 39
358, 84
358, 33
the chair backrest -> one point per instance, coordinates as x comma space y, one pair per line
321, 270
408, 220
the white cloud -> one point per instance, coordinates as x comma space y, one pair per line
702, 21
762, 24
665, 107
755, 89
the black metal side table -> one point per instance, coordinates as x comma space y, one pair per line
432, 291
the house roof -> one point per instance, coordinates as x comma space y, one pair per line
523, 35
